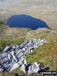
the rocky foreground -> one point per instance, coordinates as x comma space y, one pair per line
13, 57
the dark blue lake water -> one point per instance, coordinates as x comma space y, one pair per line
26, 21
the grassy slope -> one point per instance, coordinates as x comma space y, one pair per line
7, 32
46, 54
4, 43
42, 33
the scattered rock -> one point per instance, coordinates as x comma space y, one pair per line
35, 68
14, 55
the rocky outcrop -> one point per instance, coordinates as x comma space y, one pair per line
13, 56
30, 68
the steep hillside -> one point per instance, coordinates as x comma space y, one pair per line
42, 33
7, 32
46, 55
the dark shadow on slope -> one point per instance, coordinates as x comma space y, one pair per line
26, 22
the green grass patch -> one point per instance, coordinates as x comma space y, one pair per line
17, 70
4, 43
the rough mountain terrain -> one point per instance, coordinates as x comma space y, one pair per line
45, 10
7, 32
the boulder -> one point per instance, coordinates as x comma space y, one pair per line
7, 48
23, 49
14, 56
2, 56
1, 70
14, 66
35, 68
43, 41
30, 69
22, 68
25, 62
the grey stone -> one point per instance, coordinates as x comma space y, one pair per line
25, 62
35, 68
7, 48
3, 55
22, 68
14, 66
1, 70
